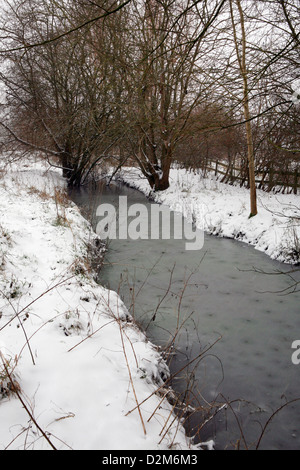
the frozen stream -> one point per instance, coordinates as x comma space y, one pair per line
225, 297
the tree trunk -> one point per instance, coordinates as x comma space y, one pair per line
160, 183
158, 178
67, 166
243, 69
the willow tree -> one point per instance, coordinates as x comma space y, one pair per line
58, 92
163, 82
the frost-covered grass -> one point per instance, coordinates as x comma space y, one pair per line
223, 210
75, 371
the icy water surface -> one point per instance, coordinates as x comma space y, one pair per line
214, 297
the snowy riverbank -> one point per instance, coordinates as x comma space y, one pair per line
223, 210
78, 362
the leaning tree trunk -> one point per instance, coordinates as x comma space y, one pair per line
243, 69
250, 146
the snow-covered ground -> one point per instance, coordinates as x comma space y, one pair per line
79, 364
223, 210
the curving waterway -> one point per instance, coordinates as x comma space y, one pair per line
230, 310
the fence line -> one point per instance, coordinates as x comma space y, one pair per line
285, 181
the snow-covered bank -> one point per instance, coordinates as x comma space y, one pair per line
223, 210
79, 364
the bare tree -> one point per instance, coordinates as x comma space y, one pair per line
242, 61
58, 96
93, 80
165, 85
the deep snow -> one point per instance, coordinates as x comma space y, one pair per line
79, 361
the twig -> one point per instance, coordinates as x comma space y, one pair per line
36, 299
175, 374
130, 378
270, 419
22, 326
118, 320
162, 299
24, 404
238, 422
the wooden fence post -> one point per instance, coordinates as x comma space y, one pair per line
285, 179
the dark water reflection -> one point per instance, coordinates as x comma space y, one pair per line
222, 297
